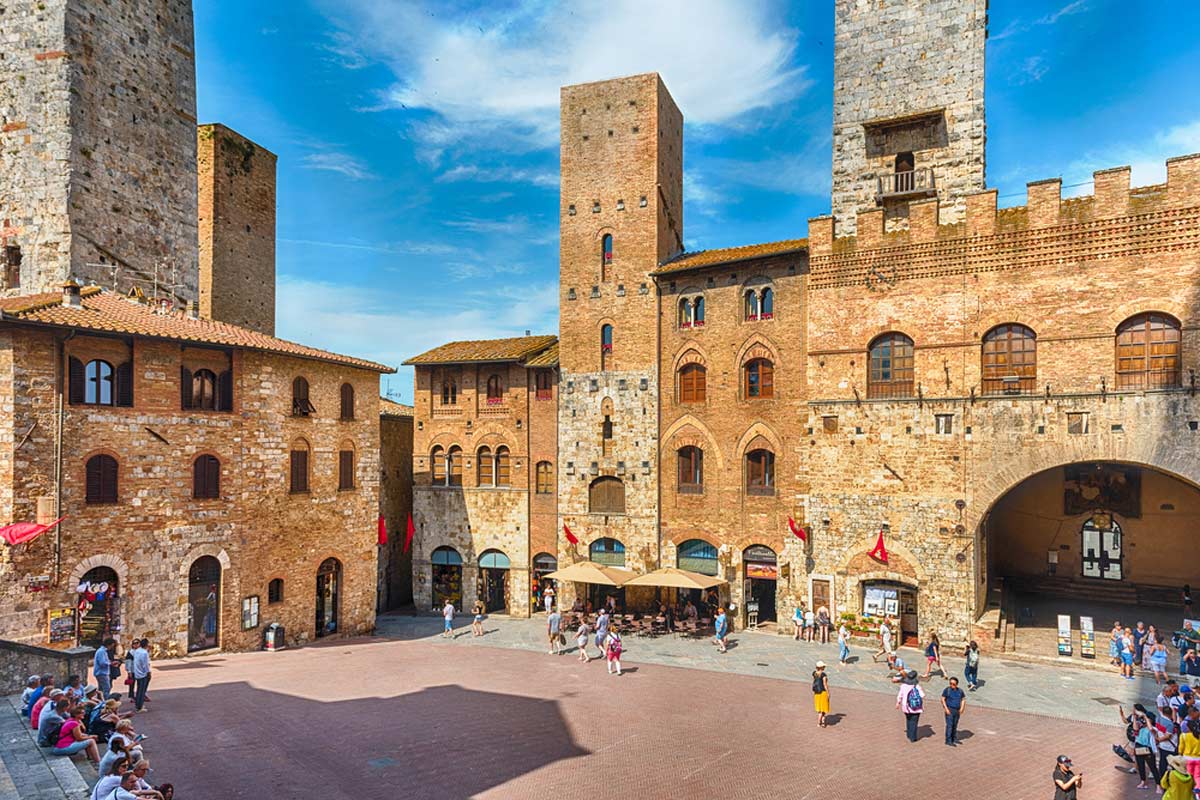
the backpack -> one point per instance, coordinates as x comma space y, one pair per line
818, 684
915, 702
50, 739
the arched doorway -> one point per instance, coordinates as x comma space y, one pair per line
543, 565
446, 574
611, 553
329, 584
99, 606
493, 580
204, 603
761, 567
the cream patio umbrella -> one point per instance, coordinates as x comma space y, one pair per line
591, 572
673, 578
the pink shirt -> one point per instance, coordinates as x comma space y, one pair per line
36, 712
66, 736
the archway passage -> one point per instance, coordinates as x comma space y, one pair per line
99, 606
1101, 540
493, 581
204, 603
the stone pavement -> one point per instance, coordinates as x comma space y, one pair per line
1084, 695
27, 774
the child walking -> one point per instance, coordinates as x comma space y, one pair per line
613, 650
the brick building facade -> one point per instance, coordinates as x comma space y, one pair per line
395, 503
1003, 396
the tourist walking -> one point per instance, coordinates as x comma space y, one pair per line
823, 623
581, 638
1177, 782
933, 655
448, 617
1158, 661
102, 667
477, 611
820, 687
911, 700
971, 670
612, 649
885, 640
843, 642
721, 629
1066, 782
554, 630
954, 703
548, 598
602, 624
798, 622
141, 673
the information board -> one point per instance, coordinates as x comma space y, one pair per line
60, 625
1064, 634
1087, 638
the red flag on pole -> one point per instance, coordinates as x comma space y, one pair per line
570, 536
879, 552
25, 532
382, 531
409, 534
801, 534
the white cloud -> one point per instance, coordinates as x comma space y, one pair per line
1032, 70
386, 248
1018, 25
342, 163
370, 322
504, 174
493, 80
1067, 10
1147, 159
512, 225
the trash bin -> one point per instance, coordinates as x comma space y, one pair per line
273, 637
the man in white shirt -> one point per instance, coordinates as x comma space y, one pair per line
885, 640
141, 672
448, 616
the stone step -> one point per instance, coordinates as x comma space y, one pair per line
34, 775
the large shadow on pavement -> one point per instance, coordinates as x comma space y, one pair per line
233, 740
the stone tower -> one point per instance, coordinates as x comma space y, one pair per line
237, 229
908, 116
621, 211
98, 145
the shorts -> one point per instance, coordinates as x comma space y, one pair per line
449, 625
479, 617
1127, 659
931, 659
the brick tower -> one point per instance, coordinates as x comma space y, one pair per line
98, 145
237, 229
908, 116
621, 211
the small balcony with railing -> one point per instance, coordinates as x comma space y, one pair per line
905, 185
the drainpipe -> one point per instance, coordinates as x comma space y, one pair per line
59, 413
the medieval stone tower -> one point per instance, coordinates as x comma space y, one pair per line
621, 211
908, 116
98, 145
237, 229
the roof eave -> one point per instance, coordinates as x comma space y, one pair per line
661, 271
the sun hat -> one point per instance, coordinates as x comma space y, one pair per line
820, 665
910, 677
1178, 762
91, 687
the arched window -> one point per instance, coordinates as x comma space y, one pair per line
691, 470
1009, 360
750, 305
99, 386
1149, 352
697, 555
608, 552
760, 379
347, 401
890, 373
685, 313
449, 392
437, 466
698, 312
485, 467
606, 346
760, 472
545, 477
766, 303
503, 467
301, 407
101, 484
455, 462
346, 468
606, 495
275, 590
206, 477
606, 257
204, 390
299, 467
495, 392
692, 383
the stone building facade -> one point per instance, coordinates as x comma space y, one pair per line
190, 478
395, 503
484, 460
77, 200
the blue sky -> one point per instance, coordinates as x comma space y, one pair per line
418, 144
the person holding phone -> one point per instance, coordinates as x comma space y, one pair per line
1066, 782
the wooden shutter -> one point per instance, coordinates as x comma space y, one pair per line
124, 388
346, 469
76, 381
185, 387
101, 479
347, 401
299, 471
213, 474
225, 391
206, 477
503, 471
484, 467
766, 379
93, 479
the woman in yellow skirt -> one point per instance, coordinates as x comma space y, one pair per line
820, 688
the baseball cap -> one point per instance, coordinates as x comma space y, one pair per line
1064, 759
1185, 689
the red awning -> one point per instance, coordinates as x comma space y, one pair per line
25, 532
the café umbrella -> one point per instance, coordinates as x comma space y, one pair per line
672, 578
591, 572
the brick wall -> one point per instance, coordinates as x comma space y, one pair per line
396, 505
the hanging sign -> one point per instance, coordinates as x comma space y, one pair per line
1064, 634
1087, 638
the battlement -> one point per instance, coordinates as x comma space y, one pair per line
1112, 198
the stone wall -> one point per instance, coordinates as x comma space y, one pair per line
396, 507
237, 229
19, 661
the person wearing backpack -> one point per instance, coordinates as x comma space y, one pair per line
911, 700
820, 687
612, 649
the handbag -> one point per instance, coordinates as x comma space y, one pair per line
1142, 751
114, 671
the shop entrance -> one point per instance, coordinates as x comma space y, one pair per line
493, 581
896, 601
446, 577
761, 567
204, 603
329, 580
99, 607
543, 565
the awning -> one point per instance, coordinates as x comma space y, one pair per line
673, 578
25, 532
591, 572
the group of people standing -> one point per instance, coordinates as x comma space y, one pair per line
604, 634
1164, 744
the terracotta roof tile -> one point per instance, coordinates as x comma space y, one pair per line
390, 408
546, 358
515, 349
726, 255
107, 312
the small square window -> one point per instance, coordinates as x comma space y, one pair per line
1077, 422
829, 424
620, 205
642, 201
944, 423
571, 210
596, 207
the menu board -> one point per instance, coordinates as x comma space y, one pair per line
1087, 637
60, 625
1064, 634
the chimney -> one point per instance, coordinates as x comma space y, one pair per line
70, 295
193, 309
526, 333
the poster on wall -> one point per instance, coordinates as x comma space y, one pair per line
1102, 487
60, 625
1087, 637
878, 599
1064, 634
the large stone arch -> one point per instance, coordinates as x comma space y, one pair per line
113, 562
758, 345
228, 590
1145, 305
